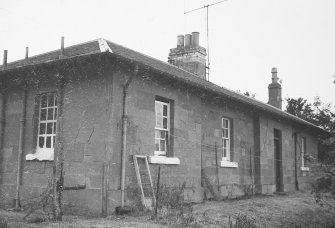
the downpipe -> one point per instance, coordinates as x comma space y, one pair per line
124, 134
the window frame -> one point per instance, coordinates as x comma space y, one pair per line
303, 151
54, 119
167, 130
226, 148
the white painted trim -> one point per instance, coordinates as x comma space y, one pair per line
41, 155
104, 47
229, 164
304, 168
164, 160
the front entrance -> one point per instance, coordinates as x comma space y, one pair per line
278, 160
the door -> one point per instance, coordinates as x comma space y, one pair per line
278, 160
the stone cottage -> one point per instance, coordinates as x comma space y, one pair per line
102, 103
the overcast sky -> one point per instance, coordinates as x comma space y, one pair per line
247, 37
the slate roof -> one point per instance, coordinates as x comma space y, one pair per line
102, 45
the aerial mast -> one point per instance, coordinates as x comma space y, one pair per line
207, 29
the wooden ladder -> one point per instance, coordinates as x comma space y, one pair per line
144, 181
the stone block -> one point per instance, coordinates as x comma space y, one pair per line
93, 181
74, 152
73, 180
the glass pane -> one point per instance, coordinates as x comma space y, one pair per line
224, 152
55, 128
224, 143
165, 123
54, 141
49, 128
48, 143
44, 101
42, 128
157, 133
51, 100
157, 144
40, 142
226, 133
55, 114
50, 114
162, 145
162, 136
158, 122
43, 114
227, 123
158, 108
165, 110
55, 101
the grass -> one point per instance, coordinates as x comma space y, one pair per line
297, 210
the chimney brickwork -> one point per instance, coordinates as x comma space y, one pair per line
275, 97
189, 55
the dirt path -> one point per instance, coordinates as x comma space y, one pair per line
266, 211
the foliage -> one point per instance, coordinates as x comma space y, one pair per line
172, 208
322, 115
242, 221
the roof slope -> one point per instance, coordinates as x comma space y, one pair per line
102, 45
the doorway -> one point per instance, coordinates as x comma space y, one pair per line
278, 160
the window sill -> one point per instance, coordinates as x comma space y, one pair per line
41, 155
304, 168
229, 164
164, 160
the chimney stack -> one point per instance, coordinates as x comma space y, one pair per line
62, 48
275, 97
188, 55
5, 52
27, 54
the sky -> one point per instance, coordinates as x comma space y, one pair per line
246, 37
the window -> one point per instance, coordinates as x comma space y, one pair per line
47, 128
225, 139
162, 128
164, 114
47, 122
303, 153
227, 143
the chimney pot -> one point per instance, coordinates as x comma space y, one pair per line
195, 39
180, 41
188, 40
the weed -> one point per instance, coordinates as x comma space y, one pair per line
242, 221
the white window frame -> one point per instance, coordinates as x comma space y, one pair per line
46, 153
225, 138
161, 128
303, 152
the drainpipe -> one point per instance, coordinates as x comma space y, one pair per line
2, 117
20, 151
124, 133
295, 162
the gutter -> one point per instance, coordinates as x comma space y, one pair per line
124, 133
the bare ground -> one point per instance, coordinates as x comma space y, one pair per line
294, 210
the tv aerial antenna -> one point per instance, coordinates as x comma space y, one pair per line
207, 29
